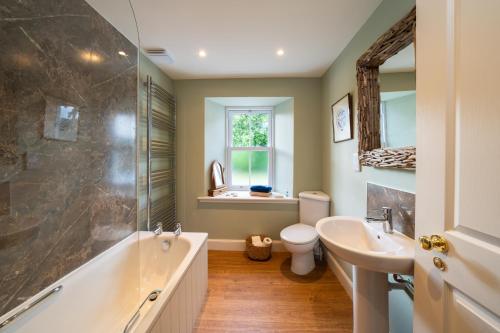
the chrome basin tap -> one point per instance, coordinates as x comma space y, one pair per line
386, 219
159, 230
178, 230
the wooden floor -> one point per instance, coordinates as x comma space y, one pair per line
249, 296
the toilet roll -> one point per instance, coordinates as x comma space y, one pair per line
267, 241
256, 241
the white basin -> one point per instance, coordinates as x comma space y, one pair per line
367, 245
373, 253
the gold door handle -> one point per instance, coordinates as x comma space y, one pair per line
435, 242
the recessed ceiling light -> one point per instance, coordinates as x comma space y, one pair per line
202, 53
123, 54
280, 52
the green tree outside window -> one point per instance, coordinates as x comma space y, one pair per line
250, 130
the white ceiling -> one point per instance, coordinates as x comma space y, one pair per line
403, 61
241, 37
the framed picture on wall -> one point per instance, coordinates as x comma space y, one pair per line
342, 119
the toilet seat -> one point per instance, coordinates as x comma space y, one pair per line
299, 233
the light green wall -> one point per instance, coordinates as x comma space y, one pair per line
283, 147
237, 221
347, 187
397, 81
215, 136
400, 119
147, 67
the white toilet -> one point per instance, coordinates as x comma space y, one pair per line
301, 238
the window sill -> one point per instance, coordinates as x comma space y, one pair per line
244, 197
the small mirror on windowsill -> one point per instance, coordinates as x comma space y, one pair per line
217, 182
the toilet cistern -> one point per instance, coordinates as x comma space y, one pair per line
386, 220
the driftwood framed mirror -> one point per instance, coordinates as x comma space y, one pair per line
371, 151
217, 182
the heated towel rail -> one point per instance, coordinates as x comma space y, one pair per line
161, 206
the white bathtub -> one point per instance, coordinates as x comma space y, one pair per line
103, 295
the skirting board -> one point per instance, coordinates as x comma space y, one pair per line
344, 279
238, 245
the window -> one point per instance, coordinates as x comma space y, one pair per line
249, 147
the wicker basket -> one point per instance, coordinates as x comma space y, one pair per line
260, 253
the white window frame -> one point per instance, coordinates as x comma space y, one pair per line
229, 148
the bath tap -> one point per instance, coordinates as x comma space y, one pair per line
386, 220
159, 229
178, 230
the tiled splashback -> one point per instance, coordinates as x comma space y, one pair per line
68, 104
402, 204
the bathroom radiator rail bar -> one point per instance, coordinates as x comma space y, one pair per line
161, 118
30, 305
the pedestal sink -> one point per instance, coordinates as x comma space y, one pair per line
373, 253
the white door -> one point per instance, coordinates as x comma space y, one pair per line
458, 173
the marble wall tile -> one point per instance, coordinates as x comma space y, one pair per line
402, 204
62, 201
4, 199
